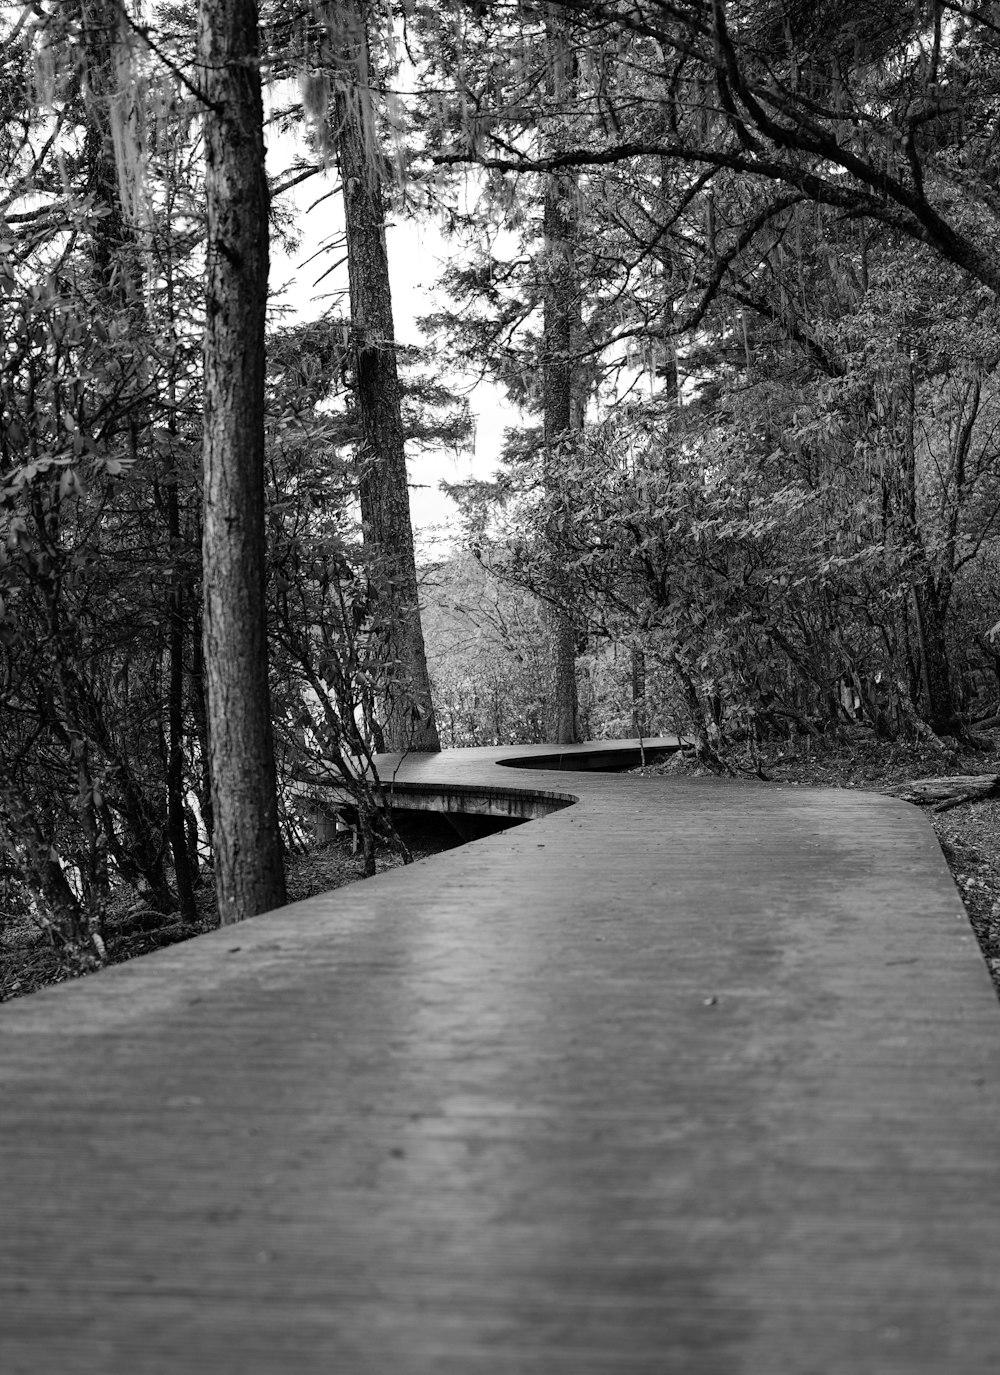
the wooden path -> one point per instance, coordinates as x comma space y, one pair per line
689, 1078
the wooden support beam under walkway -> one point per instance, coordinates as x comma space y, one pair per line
692, 1077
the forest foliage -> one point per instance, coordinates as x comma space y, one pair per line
736, 263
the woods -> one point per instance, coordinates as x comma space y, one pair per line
785, 495
732, 265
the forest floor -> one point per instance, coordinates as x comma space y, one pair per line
29, 960
969, 836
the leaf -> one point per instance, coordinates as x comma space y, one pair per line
71, 485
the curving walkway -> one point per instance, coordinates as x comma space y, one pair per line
690, 1078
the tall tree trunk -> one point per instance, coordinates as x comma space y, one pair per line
560, 316
408, 714
930, 596
112, 156
185, 870
247, 844
112, 242
199, 711
665, 367
176, 827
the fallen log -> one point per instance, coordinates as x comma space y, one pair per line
987, 723
941, 794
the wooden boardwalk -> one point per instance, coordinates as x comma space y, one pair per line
690, 1078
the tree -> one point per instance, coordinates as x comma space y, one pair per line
408, 714
530, 291
487, 651
81, 772
873, 111
246, 841
753, 165
562, 404
104, 732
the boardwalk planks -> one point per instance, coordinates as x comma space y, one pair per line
693, 1076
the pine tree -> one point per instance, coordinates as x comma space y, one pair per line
246, 841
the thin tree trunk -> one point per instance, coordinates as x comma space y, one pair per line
668, 370
560, 315
105, 88
929, 605
185, 869
935, 670
408, 714
199, 711
112, 242
247, 844
640, 719
176, 827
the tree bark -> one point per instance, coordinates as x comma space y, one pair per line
110, 138
176, 825
247, 844
669, 372
199, 711
931, 594
560, 315
112, 242
185, 857
942, 794
407, 710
